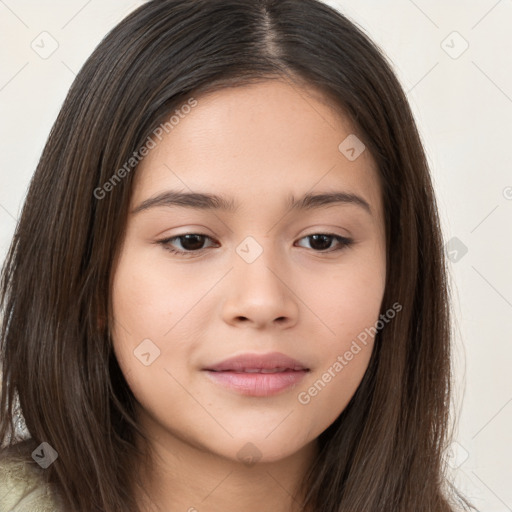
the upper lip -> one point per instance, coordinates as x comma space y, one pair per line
269, 361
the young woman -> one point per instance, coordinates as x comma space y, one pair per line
227, 289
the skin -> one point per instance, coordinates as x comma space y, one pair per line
256, 144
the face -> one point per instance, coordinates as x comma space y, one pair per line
251, 339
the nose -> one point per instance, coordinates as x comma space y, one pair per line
259, 294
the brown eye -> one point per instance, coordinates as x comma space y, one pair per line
193, 243
322, 242
190, 243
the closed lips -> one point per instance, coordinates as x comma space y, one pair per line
264, 370
273, 362
258, 375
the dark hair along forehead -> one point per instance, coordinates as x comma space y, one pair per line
384, 452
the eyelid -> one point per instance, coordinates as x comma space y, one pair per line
166, 241
343, 243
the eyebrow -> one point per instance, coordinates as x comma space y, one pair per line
205, 201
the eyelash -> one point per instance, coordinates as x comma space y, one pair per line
343, 241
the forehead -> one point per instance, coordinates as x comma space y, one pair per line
257, 143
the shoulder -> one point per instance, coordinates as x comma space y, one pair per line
22, 486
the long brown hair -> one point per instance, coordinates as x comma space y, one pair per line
385, 451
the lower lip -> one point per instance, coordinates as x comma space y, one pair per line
257, 384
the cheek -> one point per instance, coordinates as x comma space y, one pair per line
146, 319
343, 358
345, 302
348, 305
147, 300
154, 323
327, 394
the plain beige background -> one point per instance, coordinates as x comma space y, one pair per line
454, 60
